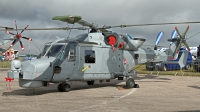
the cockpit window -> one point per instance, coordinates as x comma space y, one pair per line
46, 47
53, 52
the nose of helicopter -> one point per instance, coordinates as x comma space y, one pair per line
28, 69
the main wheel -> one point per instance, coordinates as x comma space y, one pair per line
90, 82
187, 67
130, 83
60, 87
66, 88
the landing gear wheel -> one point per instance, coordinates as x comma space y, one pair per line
187, 67
136, 86
60, 87
130, 83
90, 82
66, 88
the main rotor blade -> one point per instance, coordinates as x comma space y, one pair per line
13, 43
9, 32
122, 26
22, 47
24, 29
186, 45
63, 28
178, 48
186, 31
27, 38
84, 23
178, 32
6, 27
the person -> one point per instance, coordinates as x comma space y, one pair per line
12, 56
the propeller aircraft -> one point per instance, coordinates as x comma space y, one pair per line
5, 44
97, 55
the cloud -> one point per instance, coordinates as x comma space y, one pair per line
39, 13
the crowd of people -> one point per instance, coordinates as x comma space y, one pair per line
8, 55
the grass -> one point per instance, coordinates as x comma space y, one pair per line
5, 64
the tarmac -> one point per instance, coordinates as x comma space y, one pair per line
157, 93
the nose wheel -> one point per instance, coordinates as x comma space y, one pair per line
130, 83
63, 87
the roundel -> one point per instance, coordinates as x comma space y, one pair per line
112, 40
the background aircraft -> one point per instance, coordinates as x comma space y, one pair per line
193, 50
5, 44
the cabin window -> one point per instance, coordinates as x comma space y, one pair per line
89, 56
72, 54
136, 56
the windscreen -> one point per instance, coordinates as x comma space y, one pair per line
53, 52
46, 47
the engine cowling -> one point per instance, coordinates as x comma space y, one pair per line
111, 39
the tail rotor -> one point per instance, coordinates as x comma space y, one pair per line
182, 40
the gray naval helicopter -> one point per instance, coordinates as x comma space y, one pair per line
99, 55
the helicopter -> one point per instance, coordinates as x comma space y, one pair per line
97, 55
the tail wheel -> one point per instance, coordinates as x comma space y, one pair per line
90, 82
130, 83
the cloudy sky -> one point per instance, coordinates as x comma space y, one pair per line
39, 13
